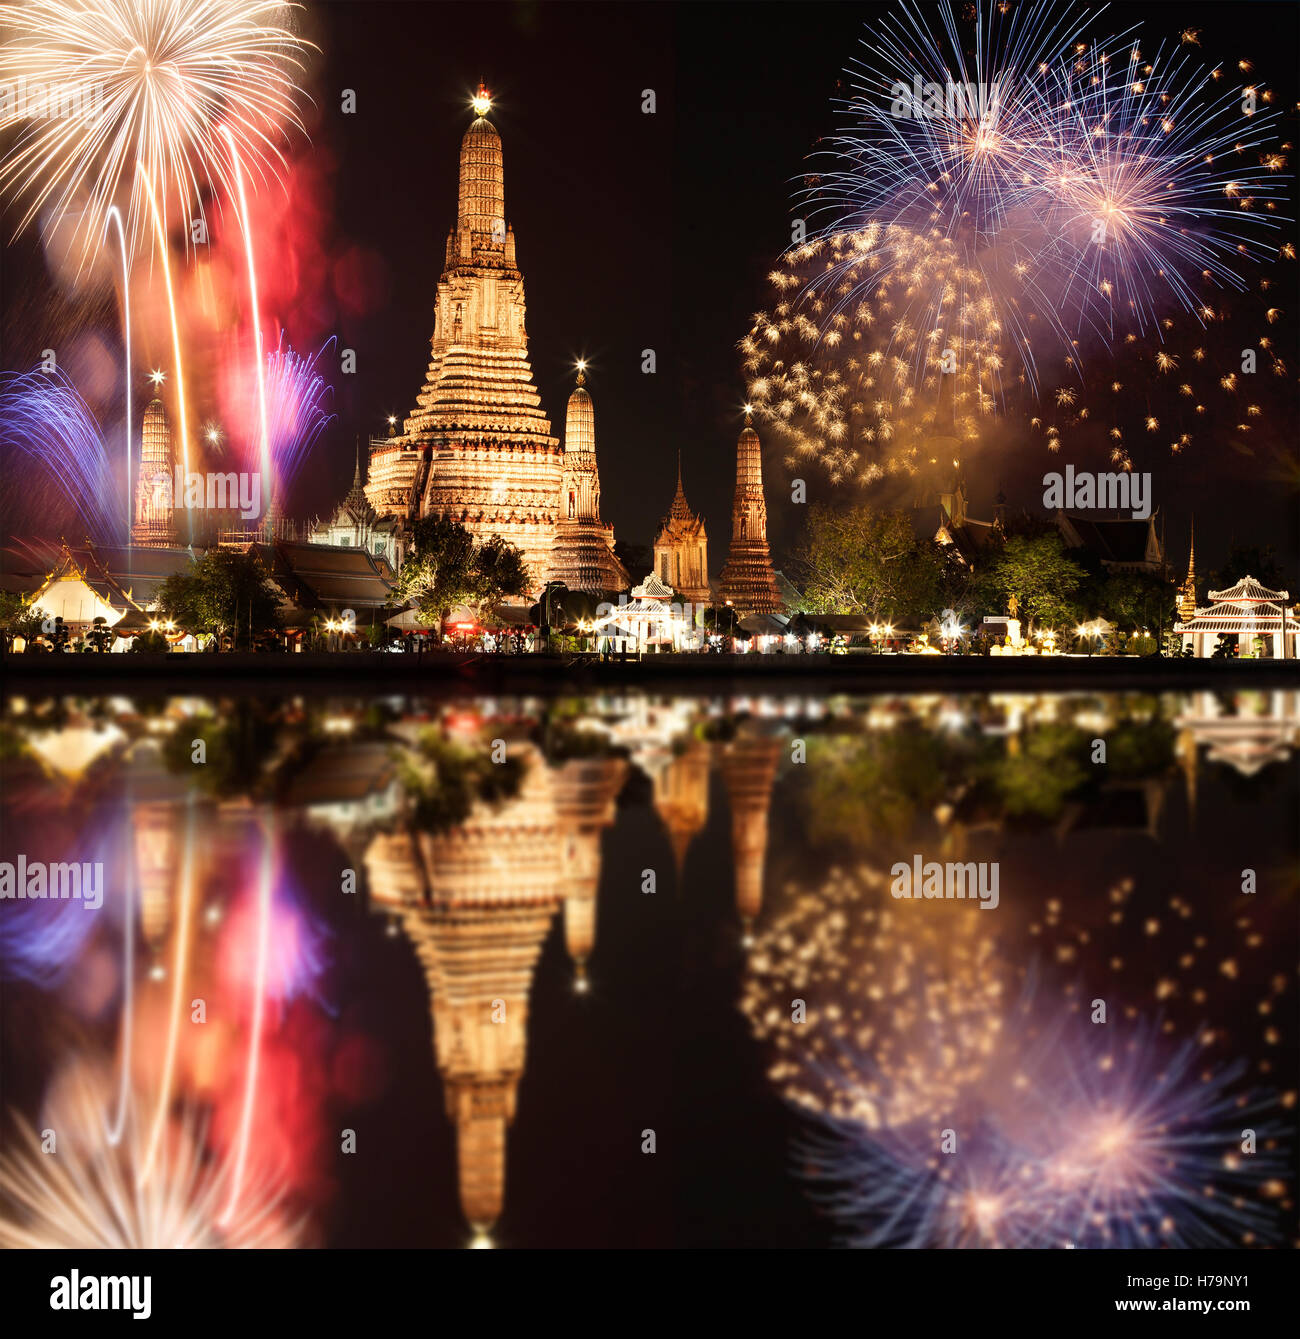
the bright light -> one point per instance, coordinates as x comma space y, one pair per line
481, 101
392, 418
157, 377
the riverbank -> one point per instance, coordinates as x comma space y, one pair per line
469, 672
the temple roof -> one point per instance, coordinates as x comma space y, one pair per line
1249, 589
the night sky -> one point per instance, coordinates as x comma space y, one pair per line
634, 231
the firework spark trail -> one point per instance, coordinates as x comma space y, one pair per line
43, 417
114, 216
296, 395
264, 437
161, 232
165, 91
1143, 149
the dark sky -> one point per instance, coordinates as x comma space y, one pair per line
643, 231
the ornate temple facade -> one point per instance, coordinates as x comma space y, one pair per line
477, 448
748, 581
154, 523
681, 548
356, 524
582, 553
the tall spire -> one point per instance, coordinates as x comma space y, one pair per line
582, 552
154, 502
1187, 591
748, 582
481, 209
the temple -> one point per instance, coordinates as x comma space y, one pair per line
1187, 591
582, 553
477, 448
356, 524
748, 582
153, 524
681, 548
1257, 617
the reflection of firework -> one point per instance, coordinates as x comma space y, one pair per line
1110, 1144
152, 85
90, 1194
1065, 1131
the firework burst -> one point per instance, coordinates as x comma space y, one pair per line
142, 90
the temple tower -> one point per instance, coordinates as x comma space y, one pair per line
682, 548
582, 555
477, 448
1187, 591
748, 582
154, 504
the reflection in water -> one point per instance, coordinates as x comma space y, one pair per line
201, 1044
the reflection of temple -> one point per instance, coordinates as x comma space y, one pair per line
681, 799
748, 766
157, 859
477, 904
585, 791
1246, 741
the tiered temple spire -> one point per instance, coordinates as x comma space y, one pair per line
1187, 591
681, 548
748, 581
477, 448
582, 555
153, 526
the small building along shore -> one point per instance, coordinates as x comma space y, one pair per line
1256, 616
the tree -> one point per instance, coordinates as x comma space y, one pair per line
1137, 600
17, 619
446, 567
1041, 577
1249, 560
225, 593
860, 560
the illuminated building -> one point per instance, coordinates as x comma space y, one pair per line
582, 555
748, 582
1187, 591
681, 548
477, 448
154, 504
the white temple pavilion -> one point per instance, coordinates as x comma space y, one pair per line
1247, 611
